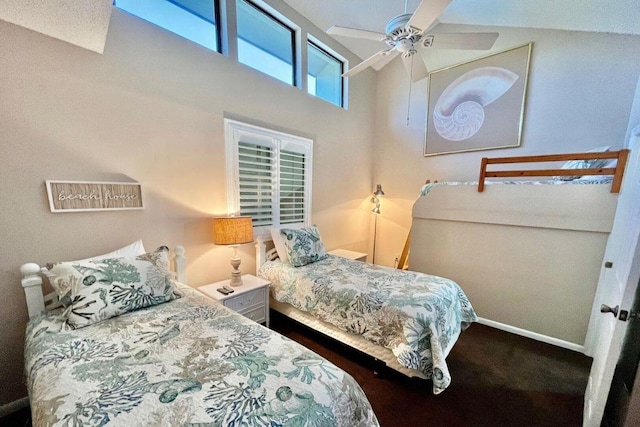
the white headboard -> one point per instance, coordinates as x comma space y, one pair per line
265, 250
37, 302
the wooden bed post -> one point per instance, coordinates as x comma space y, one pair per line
32, 285
483, 172
617, 176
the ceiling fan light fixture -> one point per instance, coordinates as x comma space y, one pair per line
397, 23
427, 41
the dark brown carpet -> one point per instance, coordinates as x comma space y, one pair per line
498, 379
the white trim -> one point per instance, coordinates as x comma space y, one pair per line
336, 55
279, 141
296, 31
533, 335
14, 406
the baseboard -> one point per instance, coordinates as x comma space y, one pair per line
14, 406
533, 335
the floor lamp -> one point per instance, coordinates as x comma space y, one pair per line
376, 210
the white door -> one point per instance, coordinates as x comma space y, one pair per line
616, 288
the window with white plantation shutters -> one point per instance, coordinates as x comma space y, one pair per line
292, 195
257, 177
268, 175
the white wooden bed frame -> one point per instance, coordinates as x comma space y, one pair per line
37, 301
382, 356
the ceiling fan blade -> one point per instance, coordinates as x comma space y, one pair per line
415, 67
387, 58
426, 13
471, 41
383, 54
355, 32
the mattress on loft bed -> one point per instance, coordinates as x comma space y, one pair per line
585, 180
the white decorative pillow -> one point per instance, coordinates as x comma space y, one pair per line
101, 289
304, 246
134, 249
278, 241
584, 164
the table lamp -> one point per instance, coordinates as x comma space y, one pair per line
233, 231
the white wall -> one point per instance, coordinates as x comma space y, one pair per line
580, 93
151, 109
634, 117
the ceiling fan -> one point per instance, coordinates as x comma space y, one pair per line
406, 35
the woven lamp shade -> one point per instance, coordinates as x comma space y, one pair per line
234, 230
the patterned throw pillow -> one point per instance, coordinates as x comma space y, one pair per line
132, 250
304, 246
97, 290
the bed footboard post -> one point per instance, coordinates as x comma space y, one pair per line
261, 251
32, 286
181, 264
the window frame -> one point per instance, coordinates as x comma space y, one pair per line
217, 16
280, 19
331, 54
279, 141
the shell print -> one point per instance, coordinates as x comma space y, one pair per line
459, 112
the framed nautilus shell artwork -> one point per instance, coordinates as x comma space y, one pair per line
478, 105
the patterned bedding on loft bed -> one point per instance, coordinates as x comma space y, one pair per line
187, 362
416, 316
425, 189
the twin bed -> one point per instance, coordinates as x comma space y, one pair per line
189, 361
408, 320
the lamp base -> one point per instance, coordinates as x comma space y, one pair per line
236, 275
236, 279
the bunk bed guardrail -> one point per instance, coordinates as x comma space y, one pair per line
617, 171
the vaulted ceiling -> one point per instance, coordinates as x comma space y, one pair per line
81, 22
86, 22
609, 16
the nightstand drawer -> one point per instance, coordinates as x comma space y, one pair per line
247, 300
257, 314
250, 299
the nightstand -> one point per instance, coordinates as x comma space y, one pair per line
251, 299
358, 256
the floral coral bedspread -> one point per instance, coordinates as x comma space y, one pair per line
188, 362
417, 316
